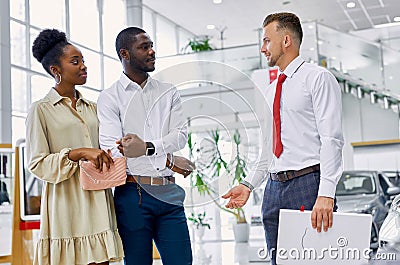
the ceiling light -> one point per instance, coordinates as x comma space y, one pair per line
311, 49
350, 4
391, 24
347, 87
396, 19
360, 93
386, 103
217, 2
210, 26
333, 58
373, 97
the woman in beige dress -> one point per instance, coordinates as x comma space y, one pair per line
77, 226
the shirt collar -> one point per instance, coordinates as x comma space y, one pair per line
293, 66
54, 97
125, 81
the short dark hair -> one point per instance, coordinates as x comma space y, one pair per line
126, 37
287, 21
48, 47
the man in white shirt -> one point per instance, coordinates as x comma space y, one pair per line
307, 137
142, 118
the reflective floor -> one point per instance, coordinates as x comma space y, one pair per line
224, 253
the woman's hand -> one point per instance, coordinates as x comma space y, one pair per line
97, 156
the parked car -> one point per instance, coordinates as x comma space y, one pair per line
390, 182
393, 176
389, 236
366, 192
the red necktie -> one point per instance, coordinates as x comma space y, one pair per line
277, 143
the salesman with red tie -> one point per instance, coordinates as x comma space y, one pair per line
307, 135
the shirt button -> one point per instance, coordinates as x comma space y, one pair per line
158, 169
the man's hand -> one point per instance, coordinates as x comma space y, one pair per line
237, 196
132, 145
180, 165
322, 213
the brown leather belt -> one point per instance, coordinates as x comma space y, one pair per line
154, 181
284, 176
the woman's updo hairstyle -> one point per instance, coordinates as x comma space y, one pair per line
48, 48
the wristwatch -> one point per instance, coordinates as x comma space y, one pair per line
150, 149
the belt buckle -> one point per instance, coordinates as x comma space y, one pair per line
152, 181
286, 176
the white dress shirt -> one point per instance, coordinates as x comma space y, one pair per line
311, 126
154, 113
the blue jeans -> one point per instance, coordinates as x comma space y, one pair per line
291, 194
142, 220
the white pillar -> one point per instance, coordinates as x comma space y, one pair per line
5, 74
134, 11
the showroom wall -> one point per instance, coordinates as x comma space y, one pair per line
363, 121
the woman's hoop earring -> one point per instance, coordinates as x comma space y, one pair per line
58, 74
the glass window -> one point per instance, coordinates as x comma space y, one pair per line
84, 23
148, 22
35, 65
19, 91
18, 43
18, 128
166, 38
40, 86
92, 62
17, 9
112, 71
54, 11
184, 38
113, 22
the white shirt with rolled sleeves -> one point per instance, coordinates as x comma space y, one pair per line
157, 118
311, 126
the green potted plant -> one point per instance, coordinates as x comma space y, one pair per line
201, 180
199, 221
198, 44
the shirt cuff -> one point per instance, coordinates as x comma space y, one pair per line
327, 189
65, 152
158, 148
247, 184
160, 162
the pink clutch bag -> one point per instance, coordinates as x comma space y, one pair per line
92, 179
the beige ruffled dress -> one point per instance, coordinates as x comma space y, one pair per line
77, 226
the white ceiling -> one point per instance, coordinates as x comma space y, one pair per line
243, 17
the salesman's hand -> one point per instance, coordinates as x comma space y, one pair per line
132, 145
322, 213
237, 196
180, 165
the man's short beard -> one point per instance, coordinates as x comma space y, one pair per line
273, 62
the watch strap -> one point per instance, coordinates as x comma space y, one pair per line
150, 149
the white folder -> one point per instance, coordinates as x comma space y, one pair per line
347, 242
